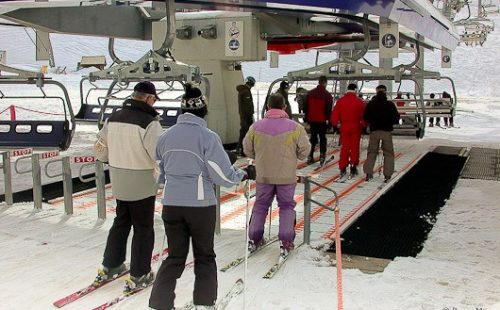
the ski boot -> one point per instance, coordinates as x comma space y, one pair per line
253, 246
106, 273
310, 160
285, 248
322, 159
134, 283
369, 176
354, 171
342, 176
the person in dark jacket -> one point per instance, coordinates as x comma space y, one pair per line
283, 91
448, 121
127, 142
380, 115
300, 97
317, 109
191, 159
245, 109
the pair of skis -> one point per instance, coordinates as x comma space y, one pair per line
277, 266
122, 297
324, 164
128, 294
271, 272
92, 287
222, 304
238, 261
346, 177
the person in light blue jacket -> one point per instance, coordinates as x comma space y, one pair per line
191, 160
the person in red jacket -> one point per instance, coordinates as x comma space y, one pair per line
348, 115
317, 110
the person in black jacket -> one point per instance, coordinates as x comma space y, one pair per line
245, 109
283, 91
380, 115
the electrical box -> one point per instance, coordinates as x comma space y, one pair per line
274, 58
226, 36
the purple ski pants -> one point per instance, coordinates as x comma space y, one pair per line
265, 194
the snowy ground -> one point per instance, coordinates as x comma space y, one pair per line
46, 255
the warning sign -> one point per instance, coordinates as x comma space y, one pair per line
388, 39
21, 152
83, 159
234, 38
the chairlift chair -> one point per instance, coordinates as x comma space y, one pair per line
344, 69
153, 67
112, 96
36, 133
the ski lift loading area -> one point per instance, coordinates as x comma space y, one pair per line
204, 48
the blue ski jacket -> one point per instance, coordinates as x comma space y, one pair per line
191, 160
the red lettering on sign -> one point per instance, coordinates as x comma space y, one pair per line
83, 159
49, 154
21, 152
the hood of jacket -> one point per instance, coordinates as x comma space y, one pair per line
242, 87
191, 118
140, 105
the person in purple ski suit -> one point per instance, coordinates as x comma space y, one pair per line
276, 143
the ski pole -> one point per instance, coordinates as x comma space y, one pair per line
270, 220
160, 260
380, 158
247, 239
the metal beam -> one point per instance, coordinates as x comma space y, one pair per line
109, 21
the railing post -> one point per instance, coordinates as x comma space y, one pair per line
100, 183
307, 210
7, 178
37, 181
67, 185
338, 258
217, 210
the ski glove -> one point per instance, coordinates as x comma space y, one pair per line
232, 157
251, 173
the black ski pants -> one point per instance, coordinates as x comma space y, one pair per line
318, 129
181, 225
140, 215
244, 126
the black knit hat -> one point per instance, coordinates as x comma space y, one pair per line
284, 85
192, 98
146, 87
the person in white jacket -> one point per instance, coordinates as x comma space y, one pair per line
127, 143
